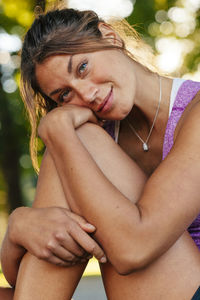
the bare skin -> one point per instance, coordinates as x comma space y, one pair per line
143, 242
6, 293
160, 280
115, 284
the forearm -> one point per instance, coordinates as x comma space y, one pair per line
102, 195
101, 187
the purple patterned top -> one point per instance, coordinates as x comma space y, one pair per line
186, 93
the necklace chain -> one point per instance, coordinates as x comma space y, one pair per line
145, 143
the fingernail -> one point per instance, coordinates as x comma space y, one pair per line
103, 260
90, 226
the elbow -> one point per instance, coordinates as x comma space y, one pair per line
129, 262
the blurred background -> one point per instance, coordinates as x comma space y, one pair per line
171, 28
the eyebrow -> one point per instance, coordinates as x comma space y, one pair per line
69, 69
55, 92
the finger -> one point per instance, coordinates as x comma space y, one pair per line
87, 243
82, 222
59, 262
68, 243
93, 118
66, 255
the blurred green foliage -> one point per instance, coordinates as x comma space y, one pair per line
17, 177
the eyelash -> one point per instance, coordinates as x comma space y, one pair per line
61, 100
85, 63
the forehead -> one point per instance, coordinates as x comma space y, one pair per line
50, 72
51, 64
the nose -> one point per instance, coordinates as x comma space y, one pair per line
87, 92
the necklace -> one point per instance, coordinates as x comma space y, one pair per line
145, 143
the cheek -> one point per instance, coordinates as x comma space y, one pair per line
100, 75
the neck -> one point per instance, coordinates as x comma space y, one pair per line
147, 97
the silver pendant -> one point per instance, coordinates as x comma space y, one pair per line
145, 147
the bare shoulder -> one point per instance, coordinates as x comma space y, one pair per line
187, 135
190, 115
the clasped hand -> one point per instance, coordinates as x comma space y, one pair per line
54, 234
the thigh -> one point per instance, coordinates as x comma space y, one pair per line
38, 279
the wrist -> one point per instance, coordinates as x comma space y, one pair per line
54, 127
16, 225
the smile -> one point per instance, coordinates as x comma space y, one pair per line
107, 103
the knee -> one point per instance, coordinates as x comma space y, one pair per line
91, 129
95, 134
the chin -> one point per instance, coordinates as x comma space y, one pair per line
125, 114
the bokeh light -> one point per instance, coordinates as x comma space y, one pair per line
171, 53
4, 57
175, 33
166, 28
161, 16
9, 86
25, 161
154, 29
117, 9
192, 5
9, 42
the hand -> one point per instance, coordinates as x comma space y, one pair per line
63, 118
54, 234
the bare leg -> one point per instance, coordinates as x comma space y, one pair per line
129, 179
6, 293
38, 279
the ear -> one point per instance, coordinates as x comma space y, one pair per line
110, 34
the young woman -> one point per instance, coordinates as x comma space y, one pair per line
138, 195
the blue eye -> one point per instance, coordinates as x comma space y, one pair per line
63, 97
82, 67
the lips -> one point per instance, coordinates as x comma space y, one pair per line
105, 105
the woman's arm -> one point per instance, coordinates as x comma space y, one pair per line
141, 232
55, 223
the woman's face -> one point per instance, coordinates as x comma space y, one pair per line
103, 81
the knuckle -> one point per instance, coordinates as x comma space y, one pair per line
59, 236
70, 258
96, 251
70, 229
44, 255
81, 253
92, 249
51, 245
